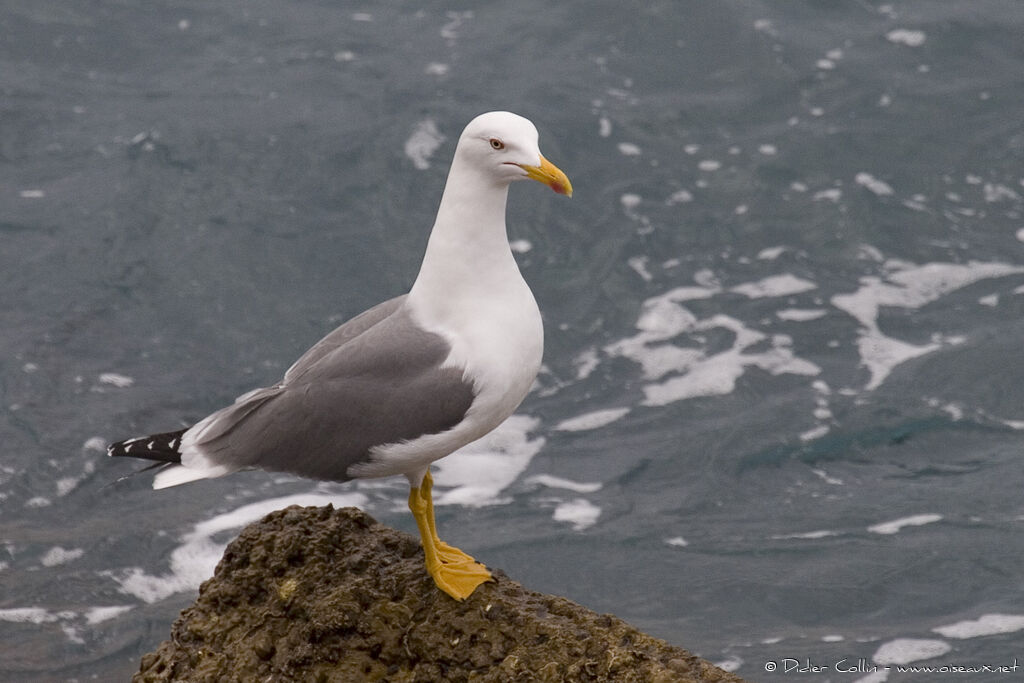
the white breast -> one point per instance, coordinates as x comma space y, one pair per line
497, 341
498, 344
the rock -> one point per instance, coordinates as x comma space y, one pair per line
318, 594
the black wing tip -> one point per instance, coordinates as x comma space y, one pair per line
165, 447
120, 448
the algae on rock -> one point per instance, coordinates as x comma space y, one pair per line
318, 594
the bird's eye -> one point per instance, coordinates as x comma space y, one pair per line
497, 144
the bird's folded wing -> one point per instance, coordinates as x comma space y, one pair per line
384, 384
344, 333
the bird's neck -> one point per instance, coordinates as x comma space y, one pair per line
468, 251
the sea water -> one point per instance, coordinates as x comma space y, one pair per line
780, 417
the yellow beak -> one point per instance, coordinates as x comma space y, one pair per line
550, 175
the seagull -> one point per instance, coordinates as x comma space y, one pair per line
410, 380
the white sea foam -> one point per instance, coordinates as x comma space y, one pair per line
97, 615
907, 650
591, 420
896, 525
684, 196
194, 560
903, 36
57, 555
585, 363
733, 663
639, 264
815, 433
630, 200
66, 485
833, 194
801, 314
826, 477
906, 285
677, 542
579, 512
95, 443
986, 625
806, 535
32, 615
996, 192
879, 187
955, 411
706, 278
70, 621
476, 474
771, 253
422, 143
775, 285
663, 319
117, 380
450, 31
553, 482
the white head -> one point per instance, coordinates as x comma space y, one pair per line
504, 146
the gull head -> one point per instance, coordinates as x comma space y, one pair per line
504, 146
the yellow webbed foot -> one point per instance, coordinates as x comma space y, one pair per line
449, 554
454, 572
460, 579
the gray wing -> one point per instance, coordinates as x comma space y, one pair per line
344, 333
375, 380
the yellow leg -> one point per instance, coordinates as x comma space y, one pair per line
454, 572
446, 553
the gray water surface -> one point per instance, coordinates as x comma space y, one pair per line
781, 410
